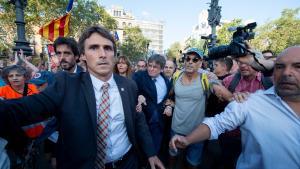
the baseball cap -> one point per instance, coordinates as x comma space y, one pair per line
42, 77
196, 51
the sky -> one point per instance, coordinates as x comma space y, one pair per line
181, 16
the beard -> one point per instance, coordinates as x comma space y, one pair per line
67, 66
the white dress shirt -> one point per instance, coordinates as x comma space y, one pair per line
118, 143
75, 70
161, 88
270, 131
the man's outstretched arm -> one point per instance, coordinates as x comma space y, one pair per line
202, 132
233, 116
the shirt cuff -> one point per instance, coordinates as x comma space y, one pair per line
210, 123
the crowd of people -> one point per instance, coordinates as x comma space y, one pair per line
99, 110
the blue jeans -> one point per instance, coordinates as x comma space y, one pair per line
193, 152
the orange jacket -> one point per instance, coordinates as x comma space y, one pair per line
7, 92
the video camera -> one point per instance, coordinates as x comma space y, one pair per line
237, 47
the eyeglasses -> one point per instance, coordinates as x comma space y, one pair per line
241, 63
195, 60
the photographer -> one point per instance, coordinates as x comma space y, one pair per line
239, 47
269, 120
248, 79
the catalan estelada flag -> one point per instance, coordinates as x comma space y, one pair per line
56, 28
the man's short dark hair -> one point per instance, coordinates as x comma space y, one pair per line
70, 42
158, 59
142, 60
227, 62
174, 62
95, 29
20, 69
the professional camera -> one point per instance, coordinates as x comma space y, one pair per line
237, 47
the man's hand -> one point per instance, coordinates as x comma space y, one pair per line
240, 96
222, 92
155, 162
141, 100
168, 111
22, 57
178, 141
211, 76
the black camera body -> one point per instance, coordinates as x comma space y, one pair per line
237, 47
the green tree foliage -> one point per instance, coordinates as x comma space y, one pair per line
279, 33
39, 12
173, 51
224, 36
195, 43
135, 44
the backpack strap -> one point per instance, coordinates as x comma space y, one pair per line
205, 84
234, 82
176, 75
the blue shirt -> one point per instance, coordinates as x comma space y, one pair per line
270, 131
2, 83
161, 88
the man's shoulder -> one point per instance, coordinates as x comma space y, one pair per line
71, 77
229, 78
140, 76
79, 69
260, 96
123, 80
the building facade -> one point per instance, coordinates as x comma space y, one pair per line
152, 30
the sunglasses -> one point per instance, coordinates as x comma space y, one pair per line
195, 60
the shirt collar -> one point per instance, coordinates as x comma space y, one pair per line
271, 91
75, 70
97, 83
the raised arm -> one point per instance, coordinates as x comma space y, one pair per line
34, 108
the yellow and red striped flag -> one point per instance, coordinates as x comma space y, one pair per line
56, 28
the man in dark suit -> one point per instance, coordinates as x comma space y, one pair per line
67, 52
154, 86
98, 124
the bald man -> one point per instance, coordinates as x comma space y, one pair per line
269, 120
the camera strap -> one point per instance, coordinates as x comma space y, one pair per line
256, 61
266, 82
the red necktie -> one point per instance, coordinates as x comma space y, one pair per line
102, 127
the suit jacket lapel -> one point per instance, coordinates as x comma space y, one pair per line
123, 90
88, 90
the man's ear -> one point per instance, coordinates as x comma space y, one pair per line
77, 59
82, 57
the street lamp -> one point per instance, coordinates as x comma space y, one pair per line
214, 15
21, 42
